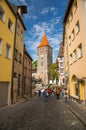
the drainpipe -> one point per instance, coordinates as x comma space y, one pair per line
31, 81
84, 93
84, 78
13, 62
23, 74
68, 87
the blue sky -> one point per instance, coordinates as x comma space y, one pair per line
44, 16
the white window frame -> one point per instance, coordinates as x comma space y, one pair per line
69, 39
80, 51
73, 34
71, 16
0, 46
71, 59
85, 4
77, 27
75, 6
75, 55
8, 51
61, 65
2, 14
10, 25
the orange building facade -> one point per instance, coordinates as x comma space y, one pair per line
75, 48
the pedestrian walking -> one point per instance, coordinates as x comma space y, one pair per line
62, 93
39, 93
65, 95
58, 92
45, 95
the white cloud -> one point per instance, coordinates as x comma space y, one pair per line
44, 11
36, 34
18, 2
22, 2
47, 10
53, 9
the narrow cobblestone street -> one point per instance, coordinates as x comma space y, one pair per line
35, 114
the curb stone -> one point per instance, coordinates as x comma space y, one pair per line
77, 115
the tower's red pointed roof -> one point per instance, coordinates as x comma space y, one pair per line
44, 42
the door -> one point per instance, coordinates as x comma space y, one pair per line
3, 93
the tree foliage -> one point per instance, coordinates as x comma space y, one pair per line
34, 64
53, 70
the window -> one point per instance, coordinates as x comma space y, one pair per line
8, 51
0, 46
16, 54
69, 39
77, 89
77, 27
75, 6
80, 51
21, 35
41, 63
10, 25
71, 59
61, 71
2, 14
15, 75
73, 35
20, 58
61, 65
68, 23
75, 55
18, 29
85, 4
71, 16
25, 62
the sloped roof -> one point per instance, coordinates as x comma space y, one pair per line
70, 2
44, 42
15, 11
27, 53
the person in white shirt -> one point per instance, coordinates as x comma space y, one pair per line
65, 95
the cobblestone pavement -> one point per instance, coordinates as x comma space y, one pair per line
36, 114
79, 110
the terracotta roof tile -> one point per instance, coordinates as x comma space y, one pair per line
44, 42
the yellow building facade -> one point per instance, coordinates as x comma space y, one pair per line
75, 48
7, 35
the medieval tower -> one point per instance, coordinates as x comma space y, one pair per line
44, 60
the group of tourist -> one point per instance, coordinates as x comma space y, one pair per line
62, 92
58, 93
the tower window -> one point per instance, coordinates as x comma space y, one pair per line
41, 63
